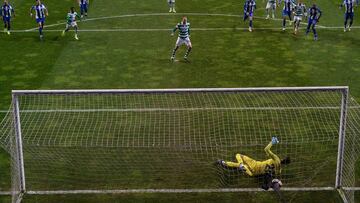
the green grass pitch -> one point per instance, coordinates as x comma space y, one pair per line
113, 52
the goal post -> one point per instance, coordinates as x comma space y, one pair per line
167, 140
341, 145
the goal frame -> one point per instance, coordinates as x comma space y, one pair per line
21, 173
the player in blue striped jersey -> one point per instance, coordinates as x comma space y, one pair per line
314, 17
349, 13
7, 11
84, 4
184, 37
40, 14
287, 10
249, 8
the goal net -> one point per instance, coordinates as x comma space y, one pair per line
118, 141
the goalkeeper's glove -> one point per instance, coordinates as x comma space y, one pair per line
242, 167
274, 140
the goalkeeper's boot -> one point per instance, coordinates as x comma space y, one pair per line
267, 17
250, 29
349, 28
76, 37
8, 32
170, 10
174, 10
283, 29
344, 29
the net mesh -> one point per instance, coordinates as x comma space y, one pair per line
351, 152
172, 139
8, 143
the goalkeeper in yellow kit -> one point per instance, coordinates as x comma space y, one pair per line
257, 168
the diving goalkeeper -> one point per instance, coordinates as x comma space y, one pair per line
258, 168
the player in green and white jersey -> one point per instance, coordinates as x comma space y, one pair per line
299, 11
184, 37
271, 7
71, 22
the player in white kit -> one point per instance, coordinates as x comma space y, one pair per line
271, 8
171, 5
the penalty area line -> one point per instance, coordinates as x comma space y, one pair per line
164, 14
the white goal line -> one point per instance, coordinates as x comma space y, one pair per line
351, 188
55, 192
58, 192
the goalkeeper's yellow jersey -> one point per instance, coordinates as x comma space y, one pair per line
261, 167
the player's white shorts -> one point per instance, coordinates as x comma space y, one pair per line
73, 24
171, 1
180, 41
271, 5
297, 18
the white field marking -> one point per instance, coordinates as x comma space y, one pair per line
168, 30
141, 15
5, 193
352, 188
174, 190
161, 14
154, 29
